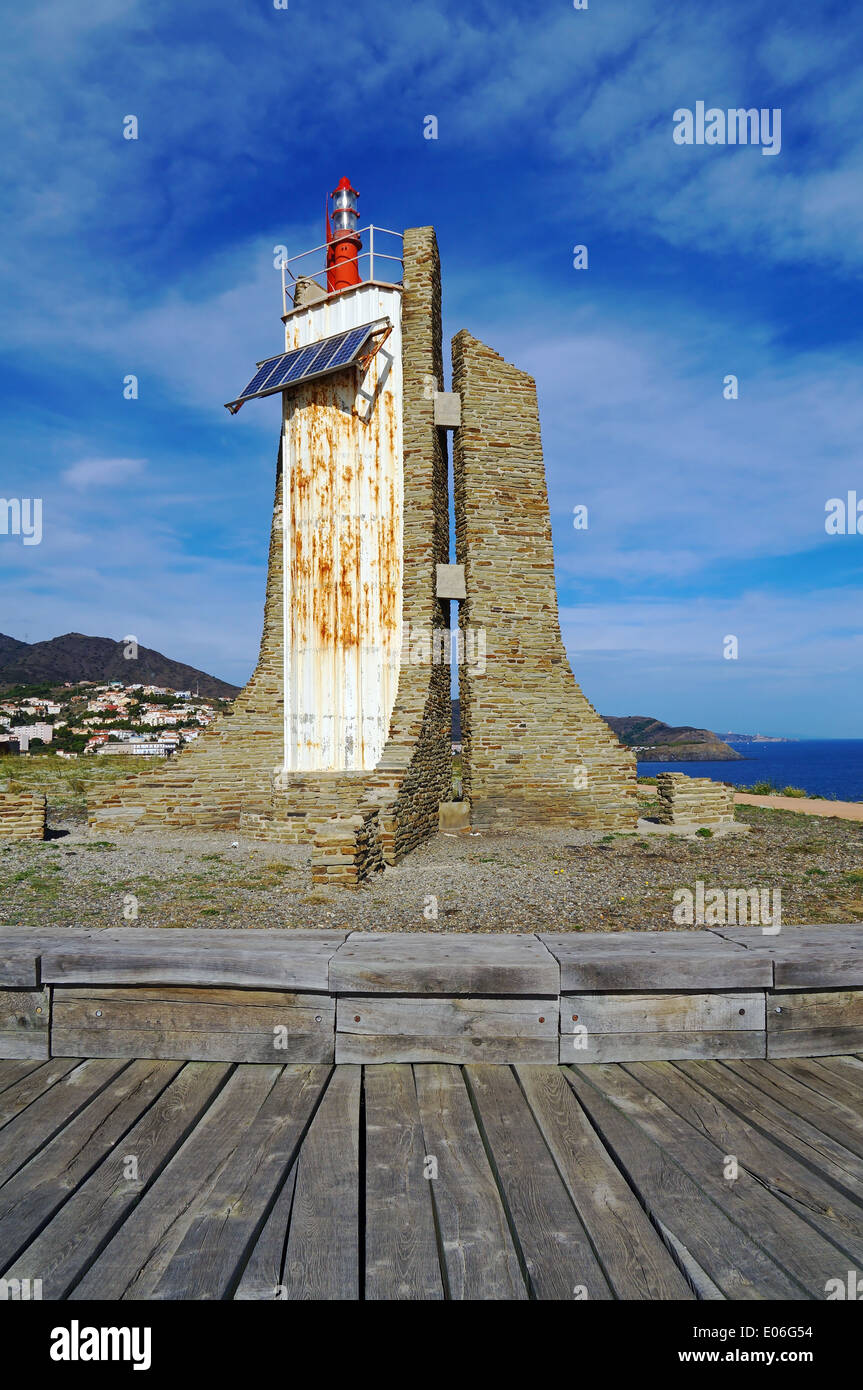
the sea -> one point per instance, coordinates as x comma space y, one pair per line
822, 767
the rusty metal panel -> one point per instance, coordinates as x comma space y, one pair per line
342, 538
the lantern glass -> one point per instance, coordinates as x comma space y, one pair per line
345, 198
345, 220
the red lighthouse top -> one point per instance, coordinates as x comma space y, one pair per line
343, 240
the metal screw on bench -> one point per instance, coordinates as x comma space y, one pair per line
777, 1010
98, 1013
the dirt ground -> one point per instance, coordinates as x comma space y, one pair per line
550, 880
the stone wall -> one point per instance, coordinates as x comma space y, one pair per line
348, 849
22, 816
534, 749
693, 800
226, 779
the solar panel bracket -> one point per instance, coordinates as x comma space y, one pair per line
364, 359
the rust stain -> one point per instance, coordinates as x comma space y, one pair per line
345, 563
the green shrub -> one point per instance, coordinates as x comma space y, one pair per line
793, 791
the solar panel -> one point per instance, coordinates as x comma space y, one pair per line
304, 363
327, 353
259, 378
349, 347
293, 365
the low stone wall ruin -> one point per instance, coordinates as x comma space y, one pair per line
22, 816
693, 800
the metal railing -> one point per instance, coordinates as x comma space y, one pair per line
368, 257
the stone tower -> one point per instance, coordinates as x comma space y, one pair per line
534, 749
342, 735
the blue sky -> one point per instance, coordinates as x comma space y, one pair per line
155, 257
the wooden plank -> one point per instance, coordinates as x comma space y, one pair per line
45, 1103
31, 1196
718, 1244
813, 1073
697, 1278
226, 959
218, 1025
807, 957
684, 960
36, 1079
376, 1028
443, 963
262, 938
401, 1254
806, 1189
662, 1013
814, 1023
816, 1042
12, 1072
21, 949
133, 1261
322, 1260
775, 1118
801, 937
834, 969
814, 1009
261, 1279
841, 1120
629, 1027
848, 1069
658, 1047
634, 1259
785, 1204
24, 1023
476, 1245
556, 1252
64, 1249
209, 1260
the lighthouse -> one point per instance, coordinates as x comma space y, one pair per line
342, 736
340, 378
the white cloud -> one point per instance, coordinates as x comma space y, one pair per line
103, 473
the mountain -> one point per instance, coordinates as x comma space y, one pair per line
658, 742
75, 657
8, 648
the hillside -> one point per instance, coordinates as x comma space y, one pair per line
75, 657
658, 742
9, 646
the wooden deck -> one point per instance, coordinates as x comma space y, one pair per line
155, 1179
370, 997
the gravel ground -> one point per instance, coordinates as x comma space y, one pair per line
551, 880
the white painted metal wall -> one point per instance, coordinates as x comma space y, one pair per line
342, 539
